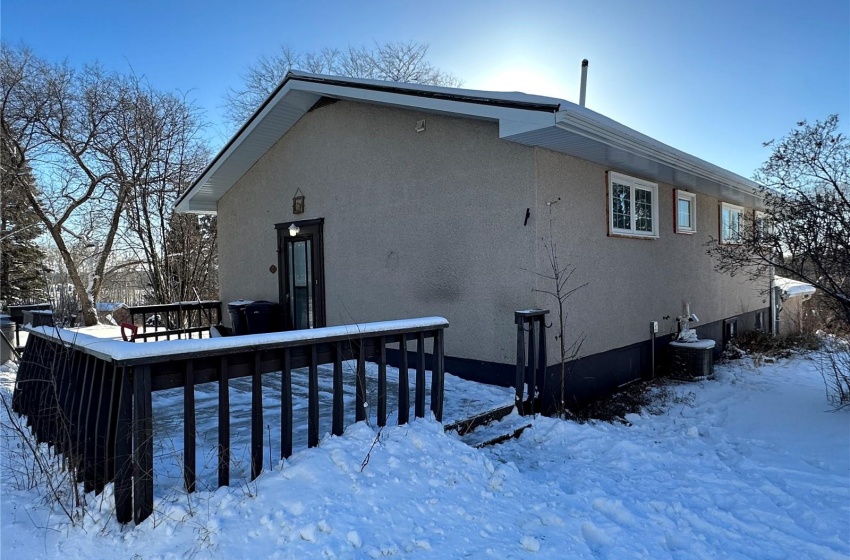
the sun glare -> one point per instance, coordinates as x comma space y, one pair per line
520, 76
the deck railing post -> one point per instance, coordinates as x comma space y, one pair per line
541, 360
101, 426
338, 398
189, 445
123, 449
256, 418
87, 451
142, 444
403, 382
532, 367
530, 361
313, 400
112, 415
438, 376
382, 381
63, 389
520, 365
286, 405
360, 384
419, 407
74, 409
223, 423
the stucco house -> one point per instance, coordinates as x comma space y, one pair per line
409, 200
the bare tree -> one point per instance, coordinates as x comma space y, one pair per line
96, 141
558, 278
177, 258
805, 232
395, 62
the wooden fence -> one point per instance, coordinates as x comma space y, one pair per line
93, 403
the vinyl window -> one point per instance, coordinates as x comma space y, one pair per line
731, 219
686, 212
762, 225
633, 206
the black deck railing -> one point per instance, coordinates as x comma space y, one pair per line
530, 363
91, 399
188, 319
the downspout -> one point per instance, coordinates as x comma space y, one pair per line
772, 300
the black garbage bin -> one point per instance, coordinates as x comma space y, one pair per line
238, 321
261, 317
7, 326
39, 318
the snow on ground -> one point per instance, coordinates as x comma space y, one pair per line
752, 465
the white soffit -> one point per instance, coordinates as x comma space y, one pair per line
582, 133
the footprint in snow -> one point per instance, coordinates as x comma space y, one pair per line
339, 459
354, 539
594, 537
295, 508
308, 533
614, 510
530, 543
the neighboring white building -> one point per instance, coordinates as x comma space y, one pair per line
791, 311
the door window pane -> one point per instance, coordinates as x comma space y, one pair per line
299, 249
308, 304
301, 283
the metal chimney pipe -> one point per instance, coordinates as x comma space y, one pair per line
583, 82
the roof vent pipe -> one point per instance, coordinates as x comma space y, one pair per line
583, 82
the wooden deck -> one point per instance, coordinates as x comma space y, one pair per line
92, 399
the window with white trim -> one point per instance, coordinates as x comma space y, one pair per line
731, 219
762, 225
686, 212
633, 206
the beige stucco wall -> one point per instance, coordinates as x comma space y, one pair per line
431, 223
416, 224
630, 282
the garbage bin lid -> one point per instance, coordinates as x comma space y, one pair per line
260, 304
239, 303
696, 345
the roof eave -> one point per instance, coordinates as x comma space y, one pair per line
646, 146
301, 91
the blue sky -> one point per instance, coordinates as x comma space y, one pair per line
713, 78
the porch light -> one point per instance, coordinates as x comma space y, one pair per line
293, 230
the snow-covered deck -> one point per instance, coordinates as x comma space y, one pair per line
105, 342
124, 399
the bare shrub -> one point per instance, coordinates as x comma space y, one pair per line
34, 465
835, 369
